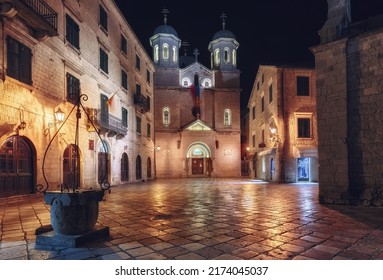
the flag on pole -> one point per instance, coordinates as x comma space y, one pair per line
110, 99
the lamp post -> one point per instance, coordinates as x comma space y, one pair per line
74, 212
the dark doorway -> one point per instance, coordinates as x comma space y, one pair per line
138, 168
197, 166
70, 169
102, 167
124, 167
303, 169
16, 167
149, 168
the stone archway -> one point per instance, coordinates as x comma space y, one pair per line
17, 166
199, 160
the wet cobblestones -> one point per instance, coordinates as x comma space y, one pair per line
204, 218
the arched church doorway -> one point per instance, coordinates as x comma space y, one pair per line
199, 160
17, 166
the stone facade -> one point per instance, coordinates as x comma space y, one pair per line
349, 86
282, 125
197, 134
69, 47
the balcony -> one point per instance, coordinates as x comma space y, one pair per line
105, 123
142, 103
37, 14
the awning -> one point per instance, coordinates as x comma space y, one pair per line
305, 152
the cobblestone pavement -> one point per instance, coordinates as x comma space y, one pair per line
204, 218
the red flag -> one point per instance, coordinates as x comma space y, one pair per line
192, 89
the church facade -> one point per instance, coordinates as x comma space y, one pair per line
197, 109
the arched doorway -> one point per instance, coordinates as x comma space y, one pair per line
200, 162
103, 151
17, 166
124, 167
272, 168
71, 173
138, 168
149, 168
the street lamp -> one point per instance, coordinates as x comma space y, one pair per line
59, 115
59, 118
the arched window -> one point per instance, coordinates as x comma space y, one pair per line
156, 53
186, 82
217, 58
165, 51
227, 55
206, 83
227, 117
138, 168
166, 116
175, 54
234, 58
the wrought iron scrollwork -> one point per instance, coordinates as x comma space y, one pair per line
104, 185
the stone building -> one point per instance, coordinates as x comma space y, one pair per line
282, 125
52, 51
197, 109
350, 119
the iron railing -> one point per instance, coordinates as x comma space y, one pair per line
107, 121
142, 102
44, 10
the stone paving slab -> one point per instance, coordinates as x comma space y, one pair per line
204, 218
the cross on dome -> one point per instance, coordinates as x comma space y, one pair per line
165, 12
223, 17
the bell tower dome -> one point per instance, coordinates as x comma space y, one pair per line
223, 48
165, 44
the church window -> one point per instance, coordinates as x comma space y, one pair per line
227, 55
206, 83
234, 58
156, 53
174, 54
166, 116
186, 82
165, 51
227, 117
217, 58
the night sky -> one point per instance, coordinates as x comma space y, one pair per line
268, 31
